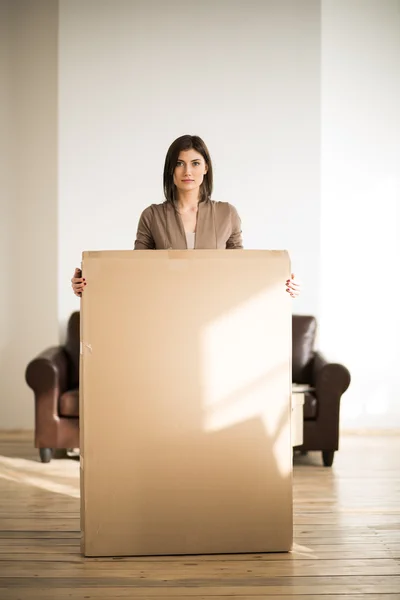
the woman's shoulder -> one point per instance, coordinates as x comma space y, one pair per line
221, 204
151, 210
225, 208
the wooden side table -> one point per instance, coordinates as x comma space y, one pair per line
298, 395
297, 418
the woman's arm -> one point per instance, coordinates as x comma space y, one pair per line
144, 239
235, 241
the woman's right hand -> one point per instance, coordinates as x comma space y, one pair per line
78, 283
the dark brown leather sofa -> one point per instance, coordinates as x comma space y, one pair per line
54, 378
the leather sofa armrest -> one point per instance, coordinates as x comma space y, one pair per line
48, 372
329, 379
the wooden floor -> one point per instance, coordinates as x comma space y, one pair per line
347, 536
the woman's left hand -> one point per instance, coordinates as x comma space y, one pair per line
293, 287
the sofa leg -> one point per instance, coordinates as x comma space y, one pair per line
327, 457
46, 454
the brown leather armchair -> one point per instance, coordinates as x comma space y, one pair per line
54, 378
326, 383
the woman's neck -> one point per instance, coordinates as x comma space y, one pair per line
187, 200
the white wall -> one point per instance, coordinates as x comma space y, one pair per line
5, 175
136, 74
360, 225
28, 219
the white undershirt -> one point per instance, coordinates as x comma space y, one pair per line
190, 240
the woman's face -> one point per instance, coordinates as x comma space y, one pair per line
189, 171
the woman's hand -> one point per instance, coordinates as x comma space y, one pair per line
78, 283
293, 287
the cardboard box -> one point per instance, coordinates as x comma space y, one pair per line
185, 403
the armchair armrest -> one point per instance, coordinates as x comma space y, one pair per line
47, 376
48, 372
329, 379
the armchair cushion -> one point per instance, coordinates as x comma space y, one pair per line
69, 404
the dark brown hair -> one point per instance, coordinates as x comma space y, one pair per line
187, 142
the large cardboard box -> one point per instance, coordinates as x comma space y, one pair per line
185, 402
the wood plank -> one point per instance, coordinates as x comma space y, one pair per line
55, 556
6, 534
197, 587
114, 593
15, 541
183, 571
57, 553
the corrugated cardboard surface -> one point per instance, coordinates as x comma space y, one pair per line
185, 402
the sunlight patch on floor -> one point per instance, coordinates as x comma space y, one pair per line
43, 476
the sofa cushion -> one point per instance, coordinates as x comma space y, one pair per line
69, 404
303, 338
310, 408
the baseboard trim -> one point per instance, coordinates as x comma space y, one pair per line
17, 433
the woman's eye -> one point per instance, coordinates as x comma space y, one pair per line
196, 163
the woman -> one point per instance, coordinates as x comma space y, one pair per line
188, 219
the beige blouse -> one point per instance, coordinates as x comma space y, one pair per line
218, 226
